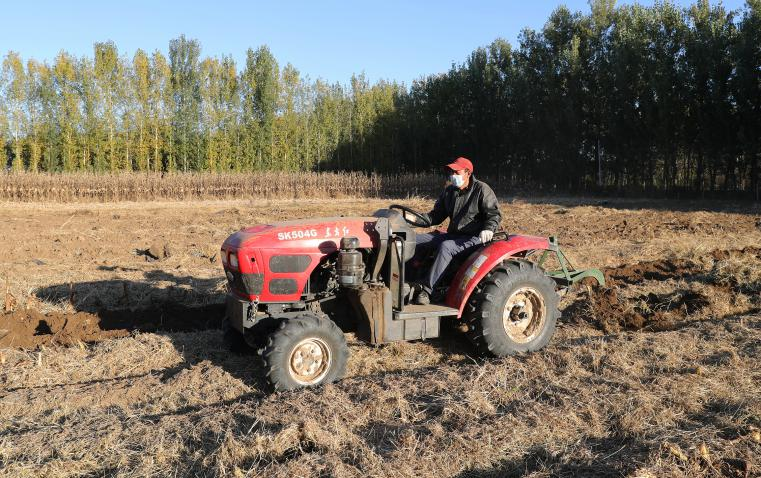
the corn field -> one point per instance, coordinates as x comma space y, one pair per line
91, 187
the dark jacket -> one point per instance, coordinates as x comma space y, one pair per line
470, 210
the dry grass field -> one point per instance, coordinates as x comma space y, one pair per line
112, 364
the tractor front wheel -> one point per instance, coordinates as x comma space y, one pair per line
514, 310
304, 351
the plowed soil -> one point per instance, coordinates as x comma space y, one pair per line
31, 329
112, 361
721, 277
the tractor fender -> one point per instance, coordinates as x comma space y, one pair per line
483, 261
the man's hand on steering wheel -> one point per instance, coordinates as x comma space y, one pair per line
412, 217
486, 236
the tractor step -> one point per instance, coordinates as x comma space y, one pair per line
414, 311
416, 322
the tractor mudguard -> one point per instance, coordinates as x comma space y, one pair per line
482, 261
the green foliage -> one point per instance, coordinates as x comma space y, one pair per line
160, 93
265, 76
140, 84
628, 97
14, 81
109, 69
184, 57
68, 110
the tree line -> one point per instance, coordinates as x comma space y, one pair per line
626, 97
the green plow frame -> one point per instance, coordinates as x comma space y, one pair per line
567, 275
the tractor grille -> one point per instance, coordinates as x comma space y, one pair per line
251, 284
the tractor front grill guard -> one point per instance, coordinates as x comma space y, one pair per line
567, 275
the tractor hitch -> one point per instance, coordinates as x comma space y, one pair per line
567, 275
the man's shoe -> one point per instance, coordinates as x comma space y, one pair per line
422, 298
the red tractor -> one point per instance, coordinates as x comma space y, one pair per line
295, 286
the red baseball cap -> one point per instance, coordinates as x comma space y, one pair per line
460, 163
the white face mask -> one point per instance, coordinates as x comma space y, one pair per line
457, 180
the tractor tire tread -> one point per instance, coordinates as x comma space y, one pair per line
487, 336
292, 330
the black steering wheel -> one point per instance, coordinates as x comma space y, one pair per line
417, 219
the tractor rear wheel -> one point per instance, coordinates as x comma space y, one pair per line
304, 351
513, 310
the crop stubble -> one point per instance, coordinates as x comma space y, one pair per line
115, 366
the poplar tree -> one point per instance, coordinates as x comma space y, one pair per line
160, 112
709, 124
15, 99
229, 94
265, 98
288, 147
142, 93
91, 155
107, 75
128, 112
34, 114
3, 124
747, 91
212, 111
68, 109
49, 109
249, 131
183, 60
329, 130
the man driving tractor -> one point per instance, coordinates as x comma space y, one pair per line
474, 217
290, 282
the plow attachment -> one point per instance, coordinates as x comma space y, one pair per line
567, 275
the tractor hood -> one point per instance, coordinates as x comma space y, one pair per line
318, 234
322, 234
273, 262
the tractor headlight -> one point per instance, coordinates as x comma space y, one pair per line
233, 260
223, 255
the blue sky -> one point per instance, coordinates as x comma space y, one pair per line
390, 39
